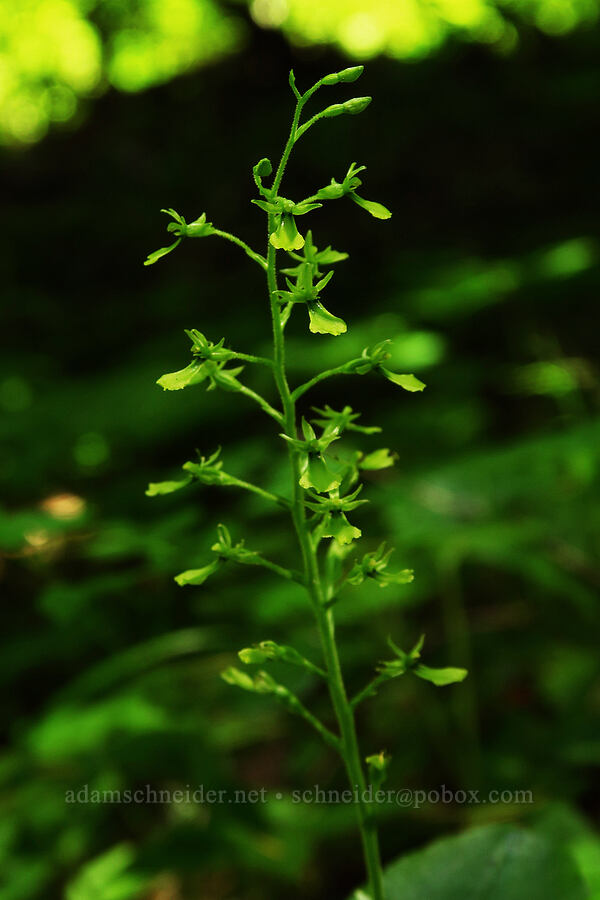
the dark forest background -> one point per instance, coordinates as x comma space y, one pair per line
487, 279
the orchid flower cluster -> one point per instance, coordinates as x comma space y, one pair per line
324, 486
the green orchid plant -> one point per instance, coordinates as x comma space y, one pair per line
323, 482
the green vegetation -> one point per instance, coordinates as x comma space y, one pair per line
323, 480
485, 279
55, 53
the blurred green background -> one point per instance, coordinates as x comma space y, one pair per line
481, 140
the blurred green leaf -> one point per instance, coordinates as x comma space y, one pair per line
492, 862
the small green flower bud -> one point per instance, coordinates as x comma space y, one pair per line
378, 765
378, 761
356, 105
351, 74
252, 655
336, 110
238, 678
345, 76
263, 167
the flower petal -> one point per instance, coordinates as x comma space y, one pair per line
158, 254
404, 576
195, 373
408, 382
157, 488
440, 677
339, 527
378, 210
287, 236
323, 322
379, 459
198, 576
316, 474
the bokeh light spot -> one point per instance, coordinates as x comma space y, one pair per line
269, 13
63, 506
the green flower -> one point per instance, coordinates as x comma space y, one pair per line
286, 235
333, 509
315, 257
335, 190
405, 662
208, 365
374, 357
225, 550
321, 321
375, 566
319, 470
199, 371
206, 470
180, 228
337, 526
345, 420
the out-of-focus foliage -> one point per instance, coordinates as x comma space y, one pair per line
508, 862
488, 281
54, 53
413, 28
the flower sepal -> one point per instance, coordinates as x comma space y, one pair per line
348, 187
313, 258
373, 358
375, 566
333, 509
318, 470
208, 470
406, 662
378, 459
180, 228
335, 422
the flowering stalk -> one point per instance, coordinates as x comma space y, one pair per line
322, 481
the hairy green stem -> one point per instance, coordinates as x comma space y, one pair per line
293, 704
288, 574
349, 748
247, 250
248, 357
248, 392
255, 489
368, 690
344, 369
